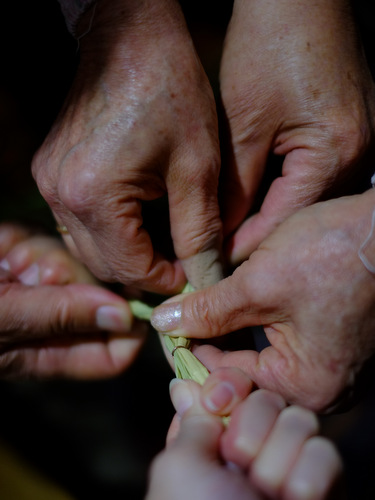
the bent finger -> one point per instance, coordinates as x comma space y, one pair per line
121, 249
316, 472
288, 193
198, 430
251, 423
294, 426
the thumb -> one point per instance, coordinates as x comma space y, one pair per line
214, 311
39, 312
199, 431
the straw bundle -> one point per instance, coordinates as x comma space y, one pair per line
187, 366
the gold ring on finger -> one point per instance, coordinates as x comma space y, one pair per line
62, 229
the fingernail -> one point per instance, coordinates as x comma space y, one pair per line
303, 489
219, 396
5, 264
318, 467
113, 318
181, 395
166, 317
30, 276
124, 349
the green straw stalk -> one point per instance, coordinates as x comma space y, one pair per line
187, 366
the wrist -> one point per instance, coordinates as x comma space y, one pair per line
275, 22
126, 34
126, 22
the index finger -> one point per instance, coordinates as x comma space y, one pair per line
196, 226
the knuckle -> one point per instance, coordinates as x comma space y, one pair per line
39, 164
46, 187
77, 189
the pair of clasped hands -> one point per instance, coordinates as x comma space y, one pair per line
139, 123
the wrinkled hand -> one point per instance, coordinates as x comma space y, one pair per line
309, 288
195, 463
139, 123
295, 84
55, 319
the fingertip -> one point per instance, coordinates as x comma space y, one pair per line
4, 264
195, 428
251, 423
123, 351
204, 268
238, 246
316, 472
225, 388
167, 317
281, 451
247, 238
183, 395
31, 275
116, 318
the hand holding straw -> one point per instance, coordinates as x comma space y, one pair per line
187, 366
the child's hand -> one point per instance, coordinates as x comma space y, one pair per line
54, 317
267, 451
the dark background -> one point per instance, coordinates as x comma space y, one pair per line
96, 439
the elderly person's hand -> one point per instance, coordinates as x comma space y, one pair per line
55, 319
314, 292
139, 123
268, 451
295, 84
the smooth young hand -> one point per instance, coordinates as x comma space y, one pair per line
268, 451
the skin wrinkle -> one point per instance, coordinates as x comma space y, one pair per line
286, 373
327, 332
289, 348
141, 133
312, 351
